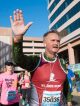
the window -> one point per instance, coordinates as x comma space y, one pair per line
75, 25
67, 16
53, 5
60, 9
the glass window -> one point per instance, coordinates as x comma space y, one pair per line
74, 10
54, 27
67, 16
67, 2
75, 25
60, 22
53, 5
60, 9
49, 1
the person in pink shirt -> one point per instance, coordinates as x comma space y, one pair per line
25, 85
8, 83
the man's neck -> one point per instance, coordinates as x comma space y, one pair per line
50, 55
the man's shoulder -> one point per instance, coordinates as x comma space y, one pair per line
63, 64
62, 61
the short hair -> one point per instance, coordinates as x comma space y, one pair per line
51, 31
8, 63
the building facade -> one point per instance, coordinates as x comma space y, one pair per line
5, 46
31, 46
64, 16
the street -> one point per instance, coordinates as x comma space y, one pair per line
76, 101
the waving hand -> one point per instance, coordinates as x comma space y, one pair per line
17, 24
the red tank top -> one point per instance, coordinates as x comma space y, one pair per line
49, 76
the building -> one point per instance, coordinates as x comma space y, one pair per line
31, 46
5, 46
64, 16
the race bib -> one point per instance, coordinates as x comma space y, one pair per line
51, 98
11, 95
27, 85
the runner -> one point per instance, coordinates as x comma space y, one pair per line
48, 71
8, 83
25, 87
71, 78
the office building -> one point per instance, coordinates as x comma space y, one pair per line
64, 16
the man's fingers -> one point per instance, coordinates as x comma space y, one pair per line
28, 25
11, 20
17, 14
21, 15
14, 15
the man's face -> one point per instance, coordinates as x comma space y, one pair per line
9, 68
52, 43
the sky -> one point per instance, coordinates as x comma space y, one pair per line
33, 10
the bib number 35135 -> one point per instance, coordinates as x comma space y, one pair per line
51, 98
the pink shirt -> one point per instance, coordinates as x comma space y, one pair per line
9, 93
26, 82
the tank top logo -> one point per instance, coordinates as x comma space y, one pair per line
52, 77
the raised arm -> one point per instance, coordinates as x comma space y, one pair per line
18, 30
17, 25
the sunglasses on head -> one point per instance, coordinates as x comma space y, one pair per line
9, 64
